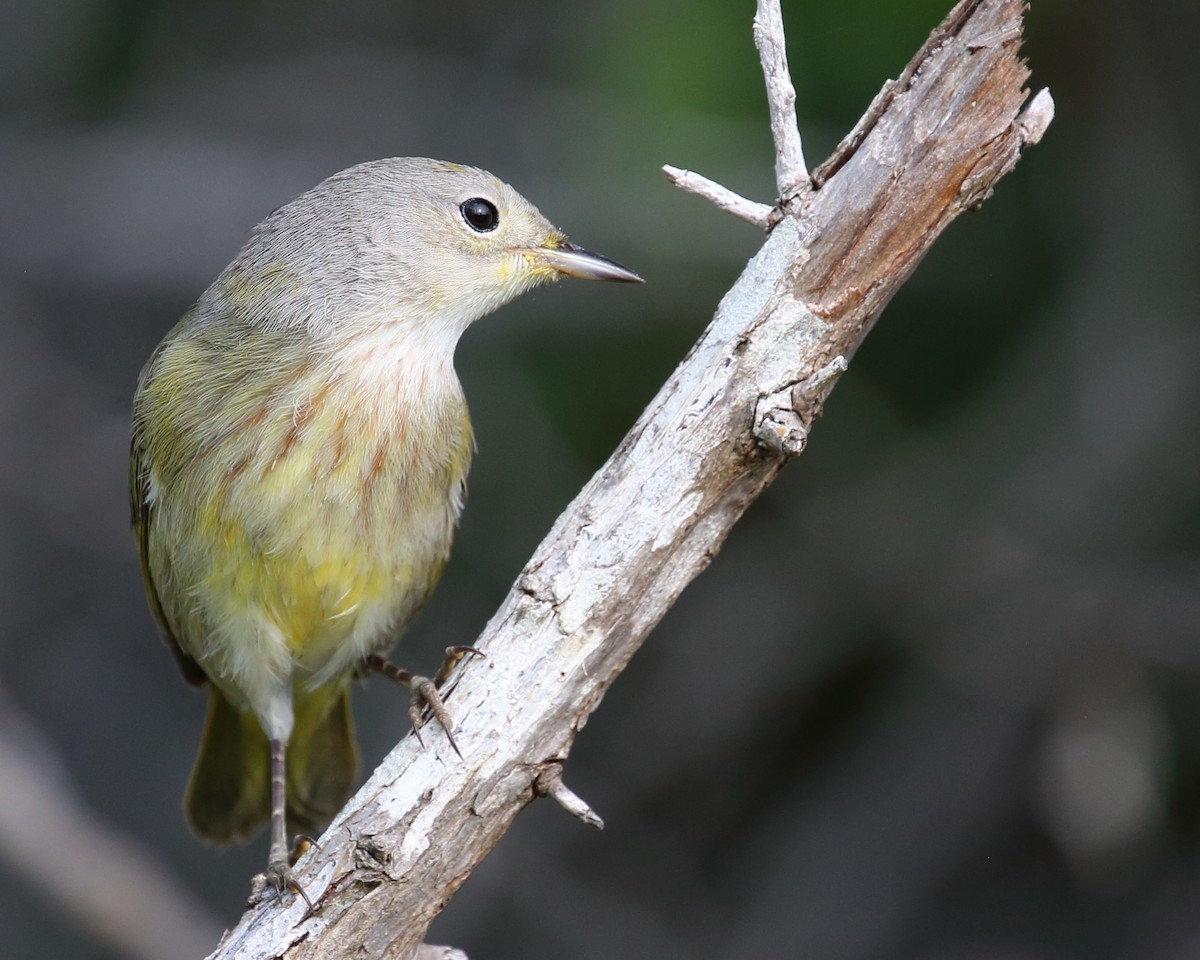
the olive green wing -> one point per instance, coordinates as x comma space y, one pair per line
142, 518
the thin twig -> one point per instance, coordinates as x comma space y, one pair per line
791, 173
756, 213
550, 784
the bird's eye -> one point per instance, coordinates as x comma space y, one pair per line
481, 215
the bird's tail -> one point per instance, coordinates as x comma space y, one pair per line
229, 794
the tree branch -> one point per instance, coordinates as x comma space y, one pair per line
759, 214
791, 173
932, 145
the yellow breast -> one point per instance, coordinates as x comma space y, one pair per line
301, 514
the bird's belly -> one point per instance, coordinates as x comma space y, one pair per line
351, 583
339, 585
300, 564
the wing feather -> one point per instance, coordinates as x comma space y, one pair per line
142, 519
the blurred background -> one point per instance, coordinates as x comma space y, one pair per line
939, 696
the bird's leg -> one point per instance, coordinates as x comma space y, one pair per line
424, 690
279, 864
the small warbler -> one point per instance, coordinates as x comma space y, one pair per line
299, 457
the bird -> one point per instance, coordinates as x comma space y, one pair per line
299, 451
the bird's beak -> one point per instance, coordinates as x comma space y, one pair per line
573, 261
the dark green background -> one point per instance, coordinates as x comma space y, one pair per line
938, 696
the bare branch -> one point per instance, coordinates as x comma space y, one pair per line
758, 214
934, 144
550, 784
792, 181
791, 173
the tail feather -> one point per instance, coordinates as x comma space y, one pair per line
228, 797
229, 794
322, 761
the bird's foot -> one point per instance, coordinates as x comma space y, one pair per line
275, 881
426, 691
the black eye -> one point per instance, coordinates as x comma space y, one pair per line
481, 215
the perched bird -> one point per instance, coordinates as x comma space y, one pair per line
299, 454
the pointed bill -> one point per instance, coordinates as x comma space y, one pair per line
574, 261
